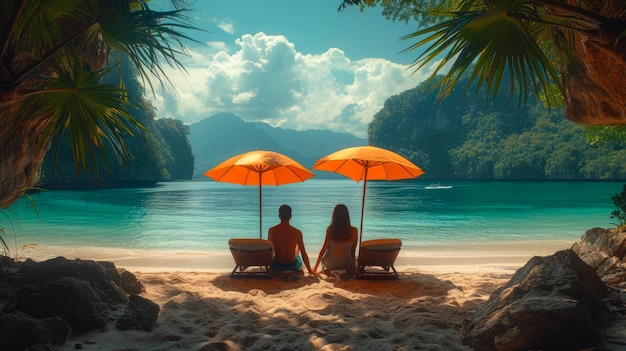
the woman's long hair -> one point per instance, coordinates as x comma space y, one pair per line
340, 224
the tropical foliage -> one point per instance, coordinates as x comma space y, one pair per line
463, 138
553, 49
160, 155
620, 202
54, 58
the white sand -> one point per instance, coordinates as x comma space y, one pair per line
202, 308
421, 310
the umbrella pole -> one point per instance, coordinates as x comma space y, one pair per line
362, 207
260, 206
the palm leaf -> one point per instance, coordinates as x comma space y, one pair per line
94, 114
68, 40
149, 38
492, 39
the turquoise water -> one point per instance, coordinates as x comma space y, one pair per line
202, 216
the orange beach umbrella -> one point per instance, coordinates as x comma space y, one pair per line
368, 163
260, 168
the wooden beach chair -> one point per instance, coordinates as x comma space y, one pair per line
377, 257
253, 257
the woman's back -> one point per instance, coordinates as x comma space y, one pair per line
339, 256
338, 251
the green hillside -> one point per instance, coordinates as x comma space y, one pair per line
463, 138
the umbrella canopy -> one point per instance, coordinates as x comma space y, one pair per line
260, 168
368, 163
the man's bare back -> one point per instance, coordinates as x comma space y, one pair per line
287, 241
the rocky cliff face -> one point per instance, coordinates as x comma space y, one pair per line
594, 83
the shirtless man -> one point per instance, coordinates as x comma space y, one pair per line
288, 242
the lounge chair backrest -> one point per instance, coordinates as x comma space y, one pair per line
381, 245
381, 253
250, 245
251, 253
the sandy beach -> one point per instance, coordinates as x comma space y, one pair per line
422, 310
203, 308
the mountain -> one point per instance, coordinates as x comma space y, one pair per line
223, 135
463, 138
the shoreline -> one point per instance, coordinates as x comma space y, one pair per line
437, 258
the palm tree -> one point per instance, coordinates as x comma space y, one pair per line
53, 57
569, 50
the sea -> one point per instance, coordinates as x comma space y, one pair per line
461, 219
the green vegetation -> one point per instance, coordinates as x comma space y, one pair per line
620, 202
54, 56
463, 138
542, 47
9, 224
160, 155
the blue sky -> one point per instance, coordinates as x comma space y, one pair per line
291, 64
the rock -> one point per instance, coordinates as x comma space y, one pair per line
19, 331
548, 304
70, 298
615, 279
608, 265
7, 265
82, 295
110, 271
87, 270
604, 250
130, 283
141, 314
42, 347
225, 345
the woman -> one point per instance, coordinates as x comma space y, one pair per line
338, 251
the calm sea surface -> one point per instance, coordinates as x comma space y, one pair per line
202, 216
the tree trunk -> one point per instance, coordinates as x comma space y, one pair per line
19, 158
594, 87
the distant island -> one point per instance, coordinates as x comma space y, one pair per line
463, 138
223, 135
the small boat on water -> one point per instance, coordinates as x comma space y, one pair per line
438, 186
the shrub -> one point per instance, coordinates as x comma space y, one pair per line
620, 202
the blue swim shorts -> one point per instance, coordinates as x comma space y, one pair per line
294, 266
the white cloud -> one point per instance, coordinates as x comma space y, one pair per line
217, 46
226, 25
266, 79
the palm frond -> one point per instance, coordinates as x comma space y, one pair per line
492, 38
41, 23
149, 38
92, 113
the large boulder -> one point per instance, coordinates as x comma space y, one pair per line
103, 280
550, 304
604, 250
19, 331
38, 298
72, 299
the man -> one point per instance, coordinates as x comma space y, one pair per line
288, 242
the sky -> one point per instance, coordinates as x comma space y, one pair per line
292, 64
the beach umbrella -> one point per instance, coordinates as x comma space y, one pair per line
368, 163
260, 168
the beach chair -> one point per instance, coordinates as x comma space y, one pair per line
377, 257
253, 257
